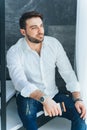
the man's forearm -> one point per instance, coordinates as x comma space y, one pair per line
36, 94
76, 95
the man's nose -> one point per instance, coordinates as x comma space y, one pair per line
40, 30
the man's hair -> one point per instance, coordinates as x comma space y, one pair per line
28, 15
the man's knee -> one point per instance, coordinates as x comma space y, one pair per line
30, 113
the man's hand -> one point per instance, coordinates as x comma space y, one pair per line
51, 107
79, 105
81, 109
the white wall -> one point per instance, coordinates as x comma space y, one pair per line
81, 46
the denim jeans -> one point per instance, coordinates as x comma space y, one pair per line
28, 108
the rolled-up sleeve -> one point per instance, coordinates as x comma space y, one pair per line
66, 70
17, 74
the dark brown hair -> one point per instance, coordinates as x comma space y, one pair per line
28, 15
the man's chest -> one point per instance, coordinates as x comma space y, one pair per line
36, 65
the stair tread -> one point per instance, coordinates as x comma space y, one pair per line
10, 91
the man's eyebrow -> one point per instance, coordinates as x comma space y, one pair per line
35, 25
32, 26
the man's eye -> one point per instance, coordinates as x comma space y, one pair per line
33, 27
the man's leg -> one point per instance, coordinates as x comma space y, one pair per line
27, 109
71, 113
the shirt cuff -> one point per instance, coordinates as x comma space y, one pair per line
26, 91
74, 88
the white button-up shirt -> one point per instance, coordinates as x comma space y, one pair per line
30, 72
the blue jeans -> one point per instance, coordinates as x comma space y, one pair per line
28, 108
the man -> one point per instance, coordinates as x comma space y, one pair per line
31, 63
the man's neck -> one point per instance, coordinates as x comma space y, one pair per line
35, 47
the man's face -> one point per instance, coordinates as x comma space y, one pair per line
34, 30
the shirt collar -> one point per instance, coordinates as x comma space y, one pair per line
27, 47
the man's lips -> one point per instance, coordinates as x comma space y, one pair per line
40, 35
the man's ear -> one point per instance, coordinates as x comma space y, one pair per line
22, 31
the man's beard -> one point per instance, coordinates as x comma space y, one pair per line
34, 40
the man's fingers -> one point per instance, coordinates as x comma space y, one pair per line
55, 111
83, 113
79, 110
59, 109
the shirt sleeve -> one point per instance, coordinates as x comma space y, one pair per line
17, 74
66, 70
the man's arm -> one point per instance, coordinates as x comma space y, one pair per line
49, 104
17, 73
79, 104
37, 94
68, 74
76, 95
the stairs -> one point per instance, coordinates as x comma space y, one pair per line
57, 124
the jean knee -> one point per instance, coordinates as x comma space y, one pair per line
26, 109
30, 113
79, 124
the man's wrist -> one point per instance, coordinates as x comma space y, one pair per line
43, 98
77, 99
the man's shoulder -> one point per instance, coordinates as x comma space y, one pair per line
51, 41
16, 46
50, 38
